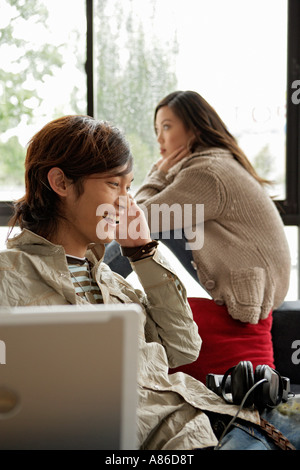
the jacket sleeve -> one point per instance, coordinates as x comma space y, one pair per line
169, 316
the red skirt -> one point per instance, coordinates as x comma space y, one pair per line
226, 342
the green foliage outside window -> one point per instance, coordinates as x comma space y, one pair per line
131, 75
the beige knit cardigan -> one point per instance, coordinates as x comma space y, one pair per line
244, 261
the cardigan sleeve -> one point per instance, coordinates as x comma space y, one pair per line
185, 191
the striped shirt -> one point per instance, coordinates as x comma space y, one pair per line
84, 284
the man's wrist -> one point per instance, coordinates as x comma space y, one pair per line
136, 253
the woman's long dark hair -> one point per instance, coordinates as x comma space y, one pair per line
80, 146
209, 130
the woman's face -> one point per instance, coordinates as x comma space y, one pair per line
171, 132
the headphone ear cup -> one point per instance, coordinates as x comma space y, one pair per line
242, 379
268, 393
260, 393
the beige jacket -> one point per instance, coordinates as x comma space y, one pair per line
244, 261
33, 271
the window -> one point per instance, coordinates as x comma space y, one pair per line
115, 59
227, 51
231, 53
42, 59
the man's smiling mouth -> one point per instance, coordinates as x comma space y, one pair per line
111, 218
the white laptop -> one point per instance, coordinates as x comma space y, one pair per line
68, 377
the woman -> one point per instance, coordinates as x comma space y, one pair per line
244, 261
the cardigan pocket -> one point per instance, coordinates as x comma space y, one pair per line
248, 285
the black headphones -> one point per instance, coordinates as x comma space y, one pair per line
269, 388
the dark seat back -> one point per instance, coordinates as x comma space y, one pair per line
286, 341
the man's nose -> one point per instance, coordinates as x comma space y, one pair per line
122, 201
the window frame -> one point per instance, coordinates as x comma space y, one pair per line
291, 204
290, 207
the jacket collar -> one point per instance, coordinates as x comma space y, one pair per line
32, 243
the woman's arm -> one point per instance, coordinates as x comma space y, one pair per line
177, 194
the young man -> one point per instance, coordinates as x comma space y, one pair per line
78, 172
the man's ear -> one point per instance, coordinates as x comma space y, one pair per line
57, 181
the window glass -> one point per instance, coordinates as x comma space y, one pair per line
135, 65
42, 76
233, 53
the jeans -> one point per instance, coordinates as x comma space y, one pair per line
174, 240
285, 418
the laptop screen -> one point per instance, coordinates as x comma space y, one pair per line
68, 377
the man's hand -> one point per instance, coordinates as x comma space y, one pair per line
133, 229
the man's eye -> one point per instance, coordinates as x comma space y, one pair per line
114, 184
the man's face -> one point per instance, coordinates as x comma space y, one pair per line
94, 215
